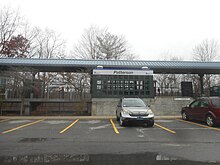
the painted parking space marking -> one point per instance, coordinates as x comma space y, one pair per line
54, 122
1, 121
114, 127
99, 127
164, 128
140, 132
165, 121
19, 121
90, 121
68, 127
197, 124
22, 126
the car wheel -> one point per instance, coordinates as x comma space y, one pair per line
184, 116
150, 124
121, 121
210, 120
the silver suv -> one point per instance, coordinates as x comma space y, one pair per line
134, 109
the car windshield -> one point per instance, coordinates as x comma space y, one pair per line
133, 103
216, 102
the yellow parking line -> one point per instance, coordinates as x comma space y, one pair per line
68, 127
4, 120
22, 126
204, 126
114, 127
169, 130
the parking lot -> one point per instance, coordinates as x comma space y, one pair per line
171, 139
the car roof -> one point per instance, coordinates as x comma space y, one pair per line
208, 98
212, 97
131, 98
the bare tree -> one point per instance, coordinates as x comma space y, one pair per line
16, 34
100, 44
207, 50
111, 46
10, 21
49, 45
87, 46
169, 84
79, 81
31, 33
19, 84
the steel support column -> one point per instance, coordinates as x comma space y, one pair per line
201, 84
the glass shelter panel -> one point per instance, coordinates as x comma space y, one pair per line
114, 86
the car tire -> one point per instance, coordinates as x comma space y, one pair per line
185, 116
121, 121
150, 124
210, 121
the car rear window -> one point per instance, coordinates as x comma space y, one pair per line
216, 102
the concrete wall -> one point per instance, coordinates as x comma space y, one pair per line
160, 105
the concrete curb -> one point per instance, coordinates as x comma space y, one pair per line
75, 117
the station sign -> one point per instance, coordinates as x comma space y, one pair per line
121, 72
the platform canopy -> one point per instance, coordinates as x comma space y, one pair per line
79, 65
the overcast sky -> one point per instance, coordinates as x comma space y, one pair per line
154, 28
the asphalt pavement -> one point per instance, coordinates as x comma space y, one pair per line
101, 140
